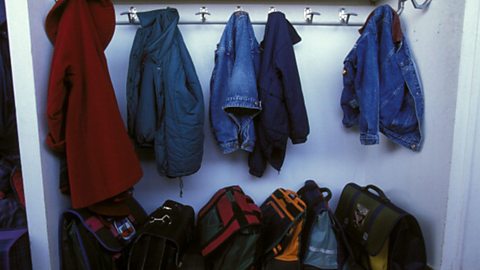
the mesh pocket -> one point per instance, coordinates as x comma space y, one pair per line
322, 249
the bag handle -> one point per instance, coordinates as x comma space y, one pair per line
379, 192
328, 192
312, 185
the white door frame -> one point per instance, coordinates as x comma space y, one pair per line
466, 133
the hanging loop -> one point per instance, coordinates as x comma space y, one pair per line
345, 16
308, 13
272, 9
424, 5
416, 5
203, 12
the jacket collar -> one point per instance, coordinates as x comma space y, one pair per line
381, 13
163, 25
100, 12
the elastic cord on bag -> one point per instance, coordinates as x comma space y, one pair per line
181, 186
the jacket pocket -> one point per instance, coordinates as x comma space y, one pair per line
275, 115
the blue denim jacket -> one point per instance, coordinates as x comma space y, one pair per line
233, 87
382, 91
164, 96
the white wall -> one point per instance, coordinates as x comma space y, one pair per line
333, 156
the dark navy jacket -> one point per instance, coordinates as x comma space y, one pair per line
382, 91
8, 125
284, 114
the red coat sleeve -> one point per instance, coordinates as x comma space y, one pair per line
58, 89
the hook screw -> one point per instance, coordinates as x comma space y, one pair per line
345, 16
203, 12
308, 13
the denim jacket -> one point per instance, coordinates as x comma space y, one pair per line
233, 87
164, 97
382, 91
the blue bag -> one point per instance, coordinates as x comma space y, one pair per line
319, 241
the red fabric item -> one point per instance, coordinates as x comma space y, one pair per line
214, 200
17, 185
94, 223
83, 117
225, 211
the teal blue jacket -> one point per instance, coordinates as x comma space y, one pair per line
164, 97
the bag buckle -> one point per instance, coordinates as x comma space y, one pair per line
164, 219
125, 228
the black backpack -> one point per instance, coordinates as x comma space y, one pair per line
90, 241
163, 240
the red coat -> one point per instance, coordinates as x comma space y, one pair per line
83, 117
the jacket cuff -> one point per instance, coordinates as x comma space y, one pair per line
243, 102
369, 139
298, 140
256, 173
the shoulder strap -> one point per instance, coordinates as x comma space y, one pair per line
351, 260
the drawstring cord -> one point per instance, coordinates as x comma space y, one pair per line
181, 186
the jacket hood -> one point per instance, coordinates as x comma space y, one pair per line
99, 12
279, 18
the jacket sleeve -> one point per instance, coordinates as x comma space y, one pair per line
257, 162
58, 90
292, 91
367, 89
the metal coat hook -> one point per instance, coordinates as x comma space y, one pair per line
132, 15
203, 12
308, 13
238, 8
345, 16
401, 5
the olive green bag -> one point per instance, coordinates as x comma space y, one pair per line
382, 236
